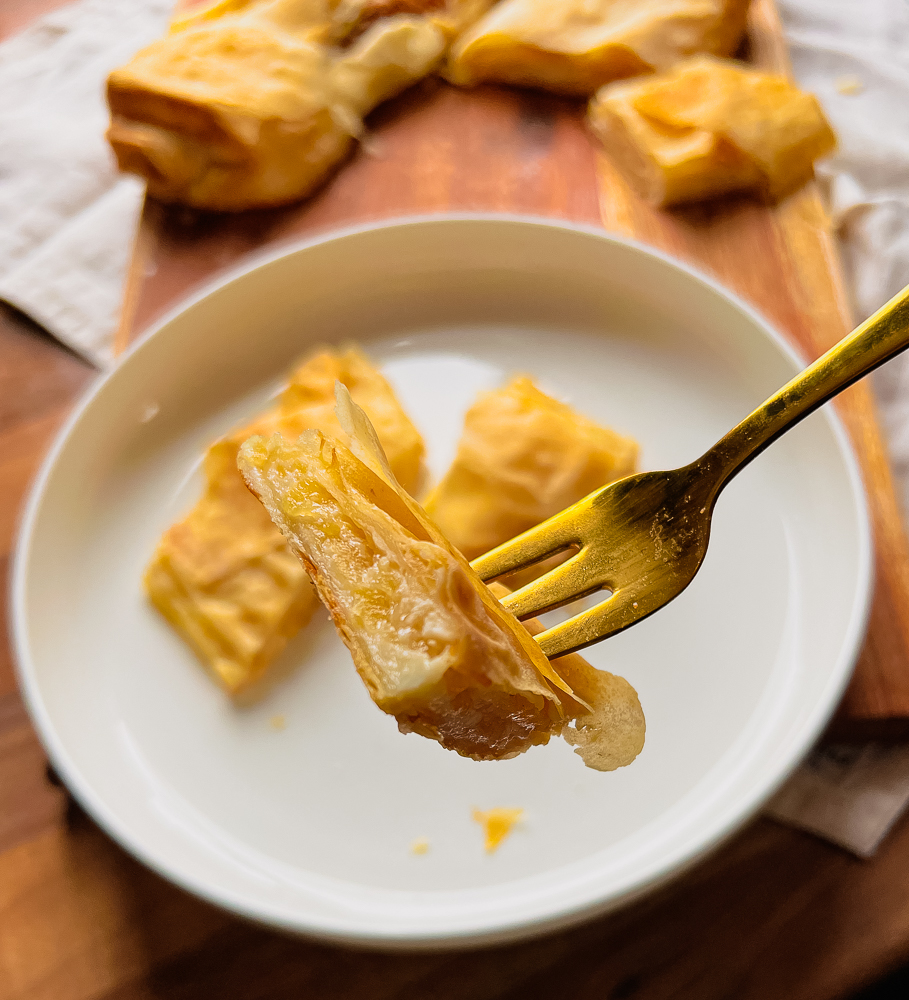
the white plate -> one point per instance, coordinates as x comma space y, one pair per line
309, 828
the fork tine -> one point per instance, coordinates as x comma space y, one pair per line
624, 608
569, 581
546, 539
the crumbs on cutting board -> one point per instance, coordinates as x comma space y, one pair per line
497, 824
420, 846
277, 722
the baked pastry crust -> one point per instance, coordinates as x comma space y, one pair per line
249, 105
710, 127
224, 576
609, 731
523, 456
431, 643
575, 46
227, 583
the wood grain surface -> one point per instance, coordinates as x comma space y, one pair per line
774, 913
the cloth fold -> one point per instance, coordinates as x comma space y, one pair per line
67, 218
849, 794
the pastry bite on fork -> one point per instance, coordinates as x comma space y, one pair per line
430, 641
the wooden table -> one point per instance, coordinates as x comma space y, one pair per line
774, 913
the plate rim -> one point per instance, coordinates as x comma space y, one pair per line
497, 929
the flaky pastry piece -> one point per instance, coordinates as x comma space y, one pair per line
225, 580
335, 21
350, 18
710, 127
610, 732
576, 46
190, 14
430, 641
308, 400
434, 648
224, 576
246, 105
523, 456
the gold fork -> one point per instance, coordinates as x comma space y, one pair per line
644, 537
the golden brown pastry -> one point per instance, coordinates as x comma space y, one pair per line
309, 401
189, 14
224, 576
432, 645
350, 18
710, 127
611, 733
245, 105
575, 46
430, 641
523, 456
226, 581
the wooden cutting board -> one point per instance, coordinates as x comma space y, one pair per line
438, 148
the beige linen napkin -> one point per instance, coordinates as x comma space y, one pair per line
849, 794
67, 220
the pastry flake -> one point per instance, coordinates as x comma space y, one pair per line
523, 456
607, 728
497, 824
710, 127
194, 14
606, 723
224, 576
249, 105
434, 648
575, 46
611, 734
350, 18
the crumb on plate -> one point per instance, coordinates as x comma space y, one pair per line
497, 824
420, 846
849, 85
277, 722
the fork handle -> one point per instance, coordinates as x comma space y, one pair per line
879, 338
